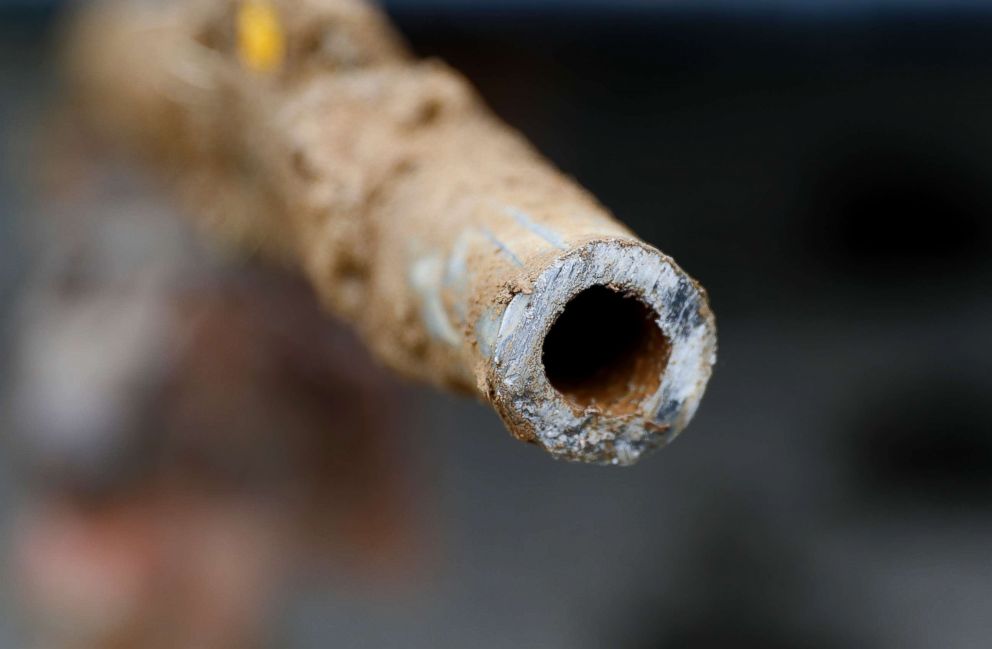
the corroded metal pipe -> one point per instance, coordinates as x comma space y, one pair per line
304, 129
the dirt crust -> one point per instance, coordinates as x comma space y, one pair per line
418, 216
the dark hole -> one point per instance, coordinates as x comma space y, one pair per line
605, 350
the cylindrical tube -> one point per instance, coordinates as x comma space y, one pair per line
460, 254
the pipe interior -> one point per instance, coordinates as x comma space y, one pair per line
606, 351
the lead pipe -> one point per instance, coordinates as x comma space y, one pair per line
304, 130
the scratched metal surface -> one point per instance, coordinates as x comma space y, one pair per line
831, 189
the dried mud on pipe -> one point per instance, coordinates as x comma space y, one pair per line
418, 216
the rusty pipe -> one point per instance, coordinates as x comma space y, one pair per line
303, 129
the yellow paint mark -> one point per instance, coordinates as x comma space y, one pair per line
261, 40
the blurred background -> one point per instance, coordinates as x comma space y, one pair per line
821, 167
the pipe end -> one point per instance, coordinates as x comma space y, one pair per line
607, 357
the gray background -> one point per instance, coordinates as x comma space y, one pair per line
825, 174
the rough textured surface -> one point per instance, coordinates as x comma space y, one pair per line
417, 215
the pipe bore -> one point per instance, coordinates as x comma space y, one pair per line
605, 351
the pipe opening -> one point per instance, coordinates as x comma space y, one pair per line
606, 351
